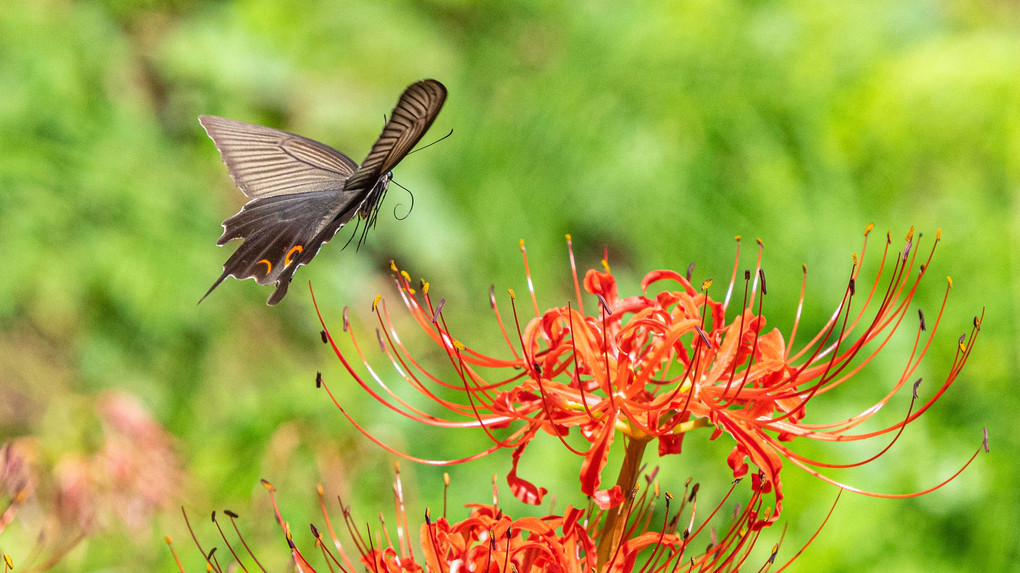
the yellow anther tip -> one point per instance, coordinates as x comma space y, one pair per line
375, 303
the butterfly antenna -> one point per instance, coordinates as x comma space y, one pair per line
409, 209
433, 143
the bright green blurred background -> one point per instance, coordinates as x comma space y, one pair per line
660, 130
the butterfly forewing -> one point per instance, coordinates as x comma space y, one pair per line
264, 161
415, 111
302, 191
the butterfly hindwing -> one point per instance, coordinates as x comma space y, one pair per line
281, 233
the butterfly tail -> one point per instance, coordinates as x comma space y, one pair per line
281, 290
215, 284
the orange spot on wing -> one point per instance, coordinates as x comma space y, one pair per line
269, 265
290, 253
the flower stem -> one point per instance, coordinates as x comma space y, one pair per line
616, 518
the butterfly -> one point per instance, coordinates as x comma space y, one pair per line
302, 192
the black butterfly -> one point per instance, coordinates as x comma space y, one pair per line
302, 192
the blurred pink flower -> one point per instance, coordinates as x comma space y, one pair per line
134, 473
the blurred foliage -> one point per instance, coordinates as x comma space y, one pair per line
658, 130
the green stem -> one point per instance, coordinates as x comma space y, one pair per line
616, 518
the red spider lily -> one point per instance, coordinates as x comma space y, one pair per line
657, 365
489, 540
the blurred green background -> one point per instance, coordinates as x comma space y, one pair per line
659, 130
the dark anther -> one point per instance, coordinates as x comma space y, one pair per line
690, 271
318, 379
439, 309
747, 275
704, 336
853, 287
315, 532
605, 304
921, 315
985, 442
230, 513
322, 333
916, 384
761, 276
537, 367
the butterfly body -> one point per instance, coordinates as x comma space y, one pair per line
303, 192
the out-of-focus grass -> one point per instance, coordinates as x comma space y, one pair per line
659, 131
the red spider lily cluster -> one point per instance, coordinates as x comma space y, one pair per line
645, 368
657, 365
489, 540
